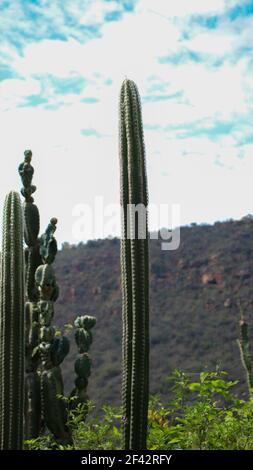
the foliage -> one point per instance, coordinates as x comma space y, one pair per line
204, 414
93, 434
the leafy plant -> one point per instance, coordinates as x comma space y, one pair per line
203, 414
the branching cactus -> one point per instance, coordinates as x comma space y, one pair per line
44, 351
32, 261
134, 269
51, 351
83, 338
12, 326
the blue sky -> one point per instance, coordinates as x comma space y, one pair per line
61, 67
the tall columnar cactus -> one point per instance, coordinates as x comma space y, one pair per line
245, 355
32, 261
134, 269
12, 345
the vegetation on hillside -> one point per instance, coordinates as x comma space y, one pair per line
202, 415
194, 312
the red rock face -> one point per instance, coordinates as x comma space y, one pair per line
208, 278
212, 278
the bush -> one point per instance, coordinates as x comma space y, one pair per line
202, 415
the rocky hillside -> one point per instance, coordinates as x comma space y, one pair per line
194, 294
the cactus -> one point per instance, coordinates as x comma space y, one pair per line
83, 337
12, 326
134, 270
32, 261
51, 351
245, 355
44, 351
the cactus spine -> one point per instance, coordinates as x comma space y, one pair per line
12, 326
134, 269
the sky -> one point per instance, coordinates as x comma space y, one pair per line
61, 68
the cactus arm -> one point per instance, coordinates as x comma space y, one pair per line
32, 402
52, 351
12, 344
54, 409
60, 349
83, 338
31, 222
243, 344
48, 244
33, 258
134, 270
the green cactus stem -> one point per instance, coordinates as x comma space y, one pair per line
31, 225
32, 261
48, 244
44, 351
245, 355
32, 405
51, 350
12, 326
53, 408
134, 269
83, 338
26, 172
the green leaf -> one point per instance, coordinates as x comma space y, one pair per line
194, 387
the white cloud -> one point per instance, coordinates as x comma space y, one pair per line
53, 57
127, 47
182, 8
13, 92
211, 42
73, 169
97, 11
118, 54
217, 91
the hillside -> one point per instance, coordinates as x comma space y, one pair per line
194, 316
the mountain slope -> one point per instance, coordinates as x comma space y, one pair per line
194, 294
